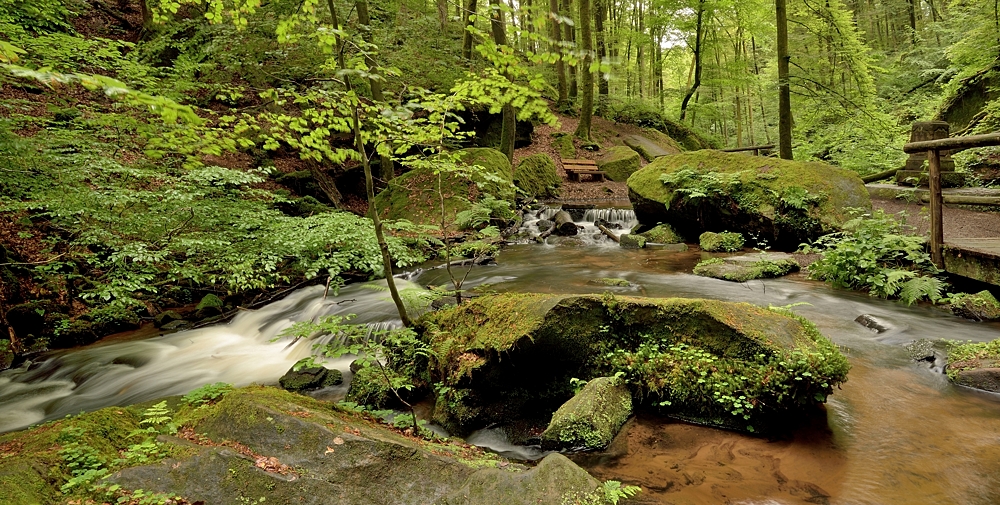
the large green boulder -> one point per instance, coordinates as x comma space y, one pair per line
619, 163
265, 445
592, 418
414, 195
505, 357
782, 202
536, 176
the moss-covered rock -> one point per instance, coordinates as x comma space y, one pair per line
662, 234
783, 202
414, 195
209, 306
975, 364
982, 306
592, 418
166, 317
619, 163
611, 282
725, 241
536, 176
631, 241
306, 379
509, 356
564, 144
748, 267
261, 444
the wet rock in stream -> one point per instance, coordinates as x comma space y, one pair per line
872, 323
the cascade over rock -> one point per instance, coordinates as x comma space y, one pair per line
781, 201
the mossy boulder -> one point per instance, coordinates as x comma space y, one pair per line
747, 267
631, 241
166, 317
610, 282
261, 444
414, 195
209, 306
306, 379
536, 176
592, 418
511, 356
981, 306
783, 202
662, 234
563, 143
726, 241
369, 388
619, 163
975, 364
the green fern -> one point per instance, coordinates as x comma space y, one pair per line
919, 287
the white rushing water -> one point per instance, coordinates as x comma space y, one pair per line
242, 352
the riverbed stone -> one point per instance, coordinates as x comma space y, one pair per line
591, 419
165, 317
981, 306
619, 162
987, 379
413, 195
747, 267
306, 379
511, 356
662, 234
783, 202
725, 241
630, 241
610, 282
209, 306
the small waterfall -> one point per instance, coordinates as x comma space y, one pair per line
249, 349
616, 219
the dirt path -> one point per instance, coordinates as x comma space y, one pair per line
958, 223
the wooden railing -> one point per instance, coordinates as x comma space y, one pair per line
933, 149
756, 149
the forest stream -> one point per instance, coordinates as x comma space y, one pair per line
897, 432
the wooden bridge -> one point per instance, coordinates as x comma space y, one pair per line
976, 258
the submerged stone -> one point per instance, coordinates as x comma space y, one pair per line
747, 267
734, 365
592, 418
610, 281
784, 202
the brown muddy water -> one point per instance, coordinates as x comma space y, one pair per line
896, 433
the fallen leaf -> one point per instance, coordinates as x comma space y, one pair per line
328, 450
338, 441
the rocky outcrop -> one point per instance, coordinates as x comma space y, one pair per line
306, 379
592, 418
264, 445
511, 356
783, 202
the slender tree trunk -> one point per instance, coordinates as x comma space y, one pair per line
555, 34
569, 35
386, 168
784, 96
911, 10
602, 54
697, 57
467, 36
508, 120
587, 106
369, 184
442, 9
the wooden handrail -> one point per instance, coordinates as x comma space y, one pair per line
989, 139
934, 148
749, 148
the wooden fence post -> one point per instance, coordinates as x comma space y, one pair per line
937, 227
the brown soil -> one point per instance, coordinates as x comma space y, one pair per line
957, 222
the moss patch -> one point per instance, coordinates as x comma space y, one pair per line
564, 143
610, 281
414, 195
536, 176
725, 241
619, 163
982, 306
662, 234
745, 268
783, 202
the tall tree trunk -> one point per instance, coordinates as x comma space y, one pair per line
386, 168
508, 120
587, 106
556, 36
911, 11
569, 35
602, 54
442, 9
697, 57
784, 96
467, 36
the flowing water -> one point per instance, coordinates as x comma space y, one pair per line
896, 433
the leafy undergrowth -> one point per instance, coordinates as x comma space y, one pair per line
972, 355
